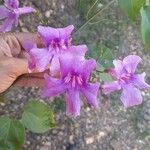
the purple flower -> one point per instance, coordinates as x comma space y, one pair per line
57, 42
73, 82
10, 12
28, 45
126, 79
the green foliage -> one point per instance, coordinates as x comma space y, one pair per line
92, 11
12, 134
84, 6
103, 55
145, 26
37, 117
105, 77
106, 58
131, 7
94, 51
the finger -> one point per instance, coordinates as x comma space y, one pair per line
30, 82
12, 43
18, 66
15, 42
4, 48
34, 75
33, 79
33, 37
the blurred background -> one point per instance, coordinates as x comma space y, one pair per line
111, 126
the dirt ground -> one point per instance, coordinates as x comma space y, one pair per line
111, 126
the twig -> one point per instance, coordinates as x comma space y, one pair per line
100, 11
87, 16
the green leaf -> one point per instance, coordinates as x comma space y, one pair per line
37, 117
106, 58
131, 7
105, 77
145, 26
12, 134
94, 51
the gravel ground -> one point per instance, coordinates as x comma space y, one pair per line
111, 126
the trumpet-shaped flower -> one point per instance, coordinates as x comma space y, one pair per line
10, 12
73, 82
126, 79
56, 42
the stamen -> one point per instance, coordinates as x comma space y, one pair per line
73, 81
68, 78
59, 45
125, 78
64, 47
79, 80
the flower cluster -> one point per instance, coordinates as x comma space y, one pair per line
10, 12
126, 79
59, 56
68, 62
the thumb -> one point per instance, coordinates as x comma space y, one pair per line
18, 66
10, 69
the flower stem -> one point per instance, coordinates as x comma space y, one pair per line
87, 16
90, 19
99, 71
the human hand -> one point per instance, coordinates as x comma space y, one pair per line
13, 61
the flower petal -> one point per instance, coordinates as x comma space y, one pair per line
70, 63
130, 62
112, 72
79, 50
7, 24
31, 64
48, 34
67, 63
12, 3
139, 81
55, 66
73, 59
53, 87
90, 92
28, 45
42, 58
24, 10
119, 68
88, 67
4, 12
50, 81
131, 96
64, 33
111, 87
72, 103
